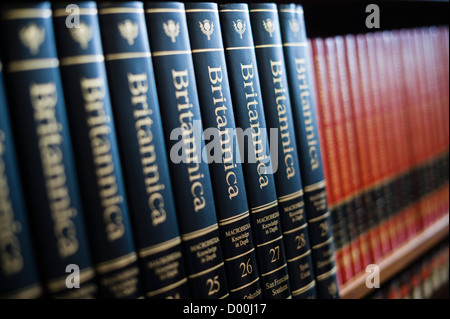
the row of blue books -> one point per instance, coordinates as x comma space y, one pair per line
111, 188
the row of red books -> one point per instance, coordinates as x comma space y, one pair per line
424, 279
383, 107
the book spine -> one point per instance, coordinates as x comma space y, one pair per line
140, 137
44, 149
18, 269
278, 111
304, 111
181, 118
258, 170
96, 151
226, 171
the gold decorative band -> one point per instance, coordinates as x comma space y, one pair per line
224, 296
82, 59
33, 64
60, 283
299, 257
30, 292
233, 219
117, 10
264, 10
327, 274
326, 242
286, 198
316, 219
164, 10
240, 48
201, 10
117, 263
275, 270
244, 286
27, 14
270, 241
200, 232
207, 50
233, 10
201, 273
299, 291
262, 46
295, 44
166, 288
238, 256
174, 52
81, 11
151, 250
316, 186
264, 207
127, 55
296, 229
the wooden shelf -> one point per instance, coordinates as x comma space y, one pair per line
399, 259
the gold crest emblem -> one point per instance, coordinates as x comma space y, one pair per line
129, 31
82, 35
332, 289
207, 28
171, 29
32, 37
294, 26
269, 26
239, 26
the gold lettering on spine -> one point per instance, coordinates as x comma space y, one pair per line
250, 96
138, 85
280, 98
313, 145
181, 83
11, 260
44, 99
216, 78
97, 120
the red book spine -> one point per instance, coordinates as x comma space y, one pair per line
361, 145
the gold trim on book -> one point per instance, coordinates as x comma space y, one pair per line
166, 288
233, 219
258, 209
316, 219
207, 50
200, 232
316, 186
1, 66
275, 270
295, 44
261, 46
59, 284
296, 229
233, 10
244, 286
27, 14
201, 10
32, 64
263, 10
117, 10
299, 291
270, 241
288, 10
286, 198
299, 257
151, 250
201, 273
116, 263
82, 11
240, 48
238, 256
174, 52
30, 292
326, 242
164, 10
82, 59
224, 296
127, 55
327, 274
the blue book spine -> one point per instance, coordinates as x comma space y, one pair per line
44, 149
96, 150
278, 111
181, 119
18, 272
142, 148
225, 168
259, 179
305, 121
